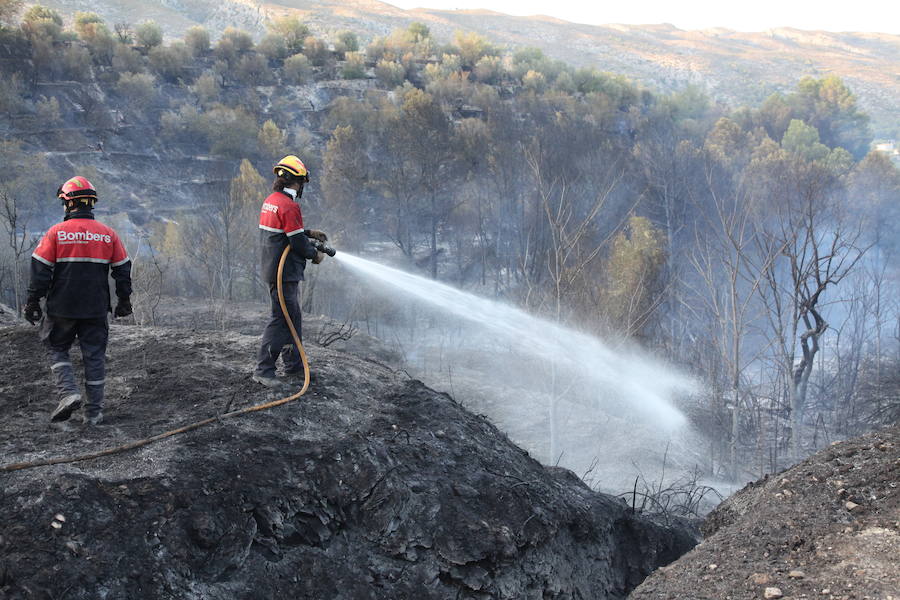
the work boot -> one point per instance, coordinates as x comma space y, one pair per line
269, 381
91, 421
296, 377
93, 409
66, 391
66, 407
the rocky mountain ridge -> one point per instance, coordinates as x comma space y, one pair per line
734, 67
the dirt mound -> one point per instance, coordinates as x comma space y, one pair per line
371, 486
827, 528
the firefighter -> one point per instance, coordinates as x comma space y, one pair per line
71, 266
281, 225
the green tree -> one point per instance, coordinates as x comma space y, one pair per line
828, 105
565, 83
534, 81
489, 70
390, 74
419, 31
345, 41
42, 24
240, 209
86, 23
11, 100
240, 40
231, 132
297, 70
316, 51
343, 182
93, 32
76, 62
197, 41
9, 9
273, 47
355, 66
273, 143
803, 140
875, 187
125, 59
206, 88
292, 31
148, 35
253, 69
634, 277
138, 88
472, 48
47, 112
170, 62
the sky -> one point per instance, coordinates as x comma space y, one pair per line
881, 16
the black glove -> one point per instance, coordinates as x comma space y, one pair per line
317, 235
32, 311
123, 308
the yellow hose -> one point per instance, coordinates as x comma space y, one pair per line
190, 427
287, 317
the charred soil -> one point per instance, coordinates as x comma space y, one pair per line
827, 528
370, 486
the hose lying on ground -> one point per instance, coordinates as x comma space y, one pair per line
161, 436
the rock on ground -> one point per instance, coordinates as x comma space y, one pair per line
827, 528
370, 486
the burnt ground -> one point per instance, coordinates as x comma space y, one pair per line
370, 486
827, 528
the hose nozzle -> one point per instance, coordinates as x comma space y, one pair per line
321, 247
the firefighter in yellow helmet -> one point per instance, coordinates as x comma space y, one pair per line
280, 225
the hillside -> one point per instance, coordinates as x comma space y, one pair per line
734, 67
370, 486
827, 528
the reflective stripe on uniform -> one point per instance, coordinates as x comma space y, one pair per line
60, 364
295, 232
102, 261
98, 382
272, 229
49, 263
121, 262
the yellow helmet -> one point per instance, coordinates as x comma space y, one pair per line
292, 165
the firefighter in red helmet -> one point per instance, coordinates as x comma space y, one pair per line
280, 225
71, 267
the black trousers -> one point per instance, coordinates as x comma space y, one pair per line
58, 334
277, 339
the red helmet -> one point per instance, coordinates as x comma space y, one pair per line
77, 190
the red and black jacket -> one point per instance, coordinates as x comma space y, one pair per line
71, 267
280, 225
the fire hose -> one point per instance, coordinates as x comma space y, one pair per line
192, 426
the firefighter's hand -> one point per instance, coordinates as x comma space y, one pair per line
33, 312
317, 235
123, 308
320, 256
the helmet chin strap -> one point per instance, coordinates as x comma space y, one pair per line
295, 194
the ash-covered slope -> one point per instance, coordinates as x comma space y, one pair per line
370, 486
828, 527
